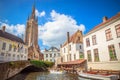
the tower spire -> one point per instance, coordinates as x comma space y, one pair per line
33, 11
28, 17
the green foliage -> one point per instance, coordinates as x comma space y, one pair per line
48, 63
11, 63
42, 63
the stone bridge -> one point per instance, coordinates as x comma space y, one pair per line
9, 69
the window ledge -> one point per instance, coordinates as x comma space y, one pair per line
95, 44
110, 39
113, 59
118, 36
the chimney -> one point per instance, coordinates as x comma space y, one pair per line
60, 45
68, 37
105, 19
3, 28
45, 49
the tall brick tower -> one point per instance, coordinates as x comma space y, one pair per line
31, 36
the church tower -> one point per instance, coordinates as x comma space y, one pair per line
31, 36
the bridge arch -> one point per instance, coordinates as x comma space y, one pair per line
9, 69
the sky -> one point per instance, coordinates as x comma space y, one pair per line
55, 17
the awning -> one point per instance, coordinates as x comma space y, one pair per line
73, 62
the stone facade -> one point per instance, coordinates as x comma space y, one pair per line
102, 45
31, 37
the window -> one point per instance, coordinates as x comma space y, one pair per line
24, 57
13, 55
58, 54
96, 55
87, 42
119, 45
21, 56
78, 38
46, 55
64, 50
17, 56
94, 40
112, 52
10, 47
70, 57
18, 49
81, 55
61, 59
50, 55
54, 55
4, 46
69, 47
80, 47
118, 30
9, 55
89, 56
108, 34
2, 54
25, 50
67, 57
74, 57
15, 48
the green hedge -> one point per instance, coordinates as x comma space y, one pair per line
42, 63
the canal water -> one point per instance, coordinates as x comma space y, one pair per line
49, 76
46, 76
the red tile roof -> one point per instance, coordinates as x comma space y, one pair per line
72, 38
10, 37
73, 62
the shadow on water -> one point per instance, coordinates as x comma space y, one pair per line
22, 75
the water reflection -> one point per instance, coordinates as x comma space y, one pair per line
48, 76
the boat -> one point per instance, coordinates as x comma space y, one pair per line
89, 76
57, 71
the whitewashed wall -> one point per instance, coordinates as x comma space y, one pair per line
102, 46
75, 49
57, 53
7, 52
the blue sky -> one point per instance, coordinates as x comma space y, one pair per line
76, 14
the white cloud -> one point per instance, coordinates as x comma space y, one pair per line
17, 30
39, 14
53, 33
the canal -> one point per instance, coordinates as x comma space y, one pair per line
47, 76
44, 76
